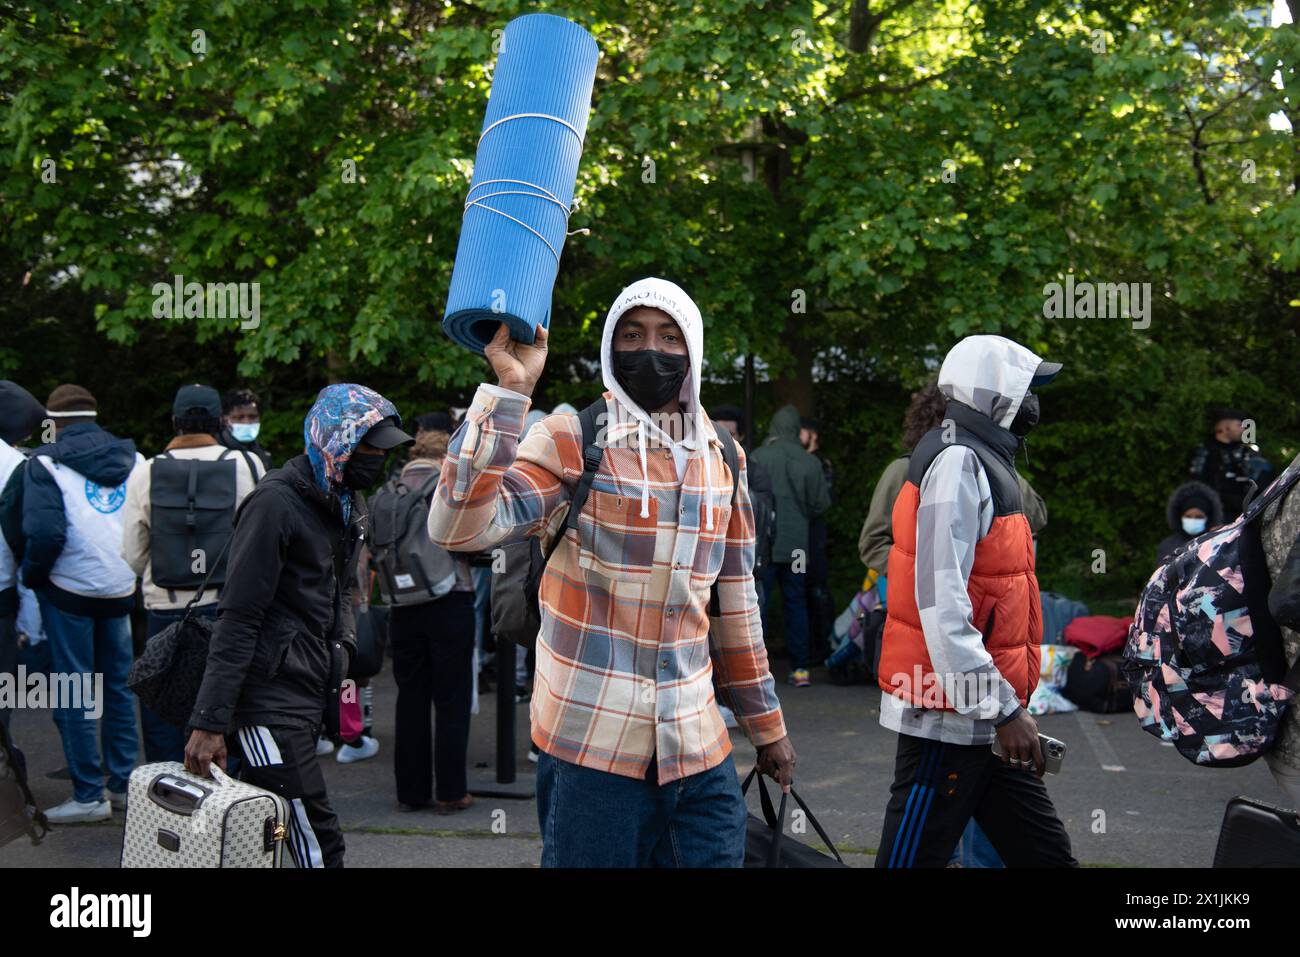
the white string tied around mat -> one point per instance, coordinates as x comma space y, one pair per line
542, 193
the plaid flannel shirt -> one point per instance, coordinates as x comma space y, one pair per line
626, 657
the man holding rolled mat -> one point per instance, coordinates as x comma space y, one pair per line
634, 768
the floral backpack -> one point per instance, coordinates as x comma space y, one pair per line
1204, 656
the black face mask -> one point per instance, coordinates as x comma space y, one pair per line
362, 471
651, 379
1026, 416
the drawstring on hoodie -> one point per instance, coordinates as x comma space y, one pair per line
704, 456
645, 471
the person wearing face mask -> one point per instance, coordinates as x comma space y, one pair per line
1193, 508
241, 423
634, 769
960, 653
285, 631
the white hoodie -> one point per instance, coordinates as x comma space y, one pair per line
670, 298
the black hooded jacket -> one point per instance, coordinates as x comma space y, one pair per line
1188, 495
285, 631
100, 457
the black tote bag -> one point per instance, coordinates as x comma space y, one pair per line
169, 672
767, 846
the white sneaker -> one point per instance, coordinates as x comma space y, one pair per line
728, 716
73, 811
365, 748
324, 746
117, 801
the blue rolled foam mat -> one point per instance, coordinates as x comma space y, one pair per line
526, 168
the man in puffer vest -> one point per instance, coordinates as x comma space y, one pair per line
960, 653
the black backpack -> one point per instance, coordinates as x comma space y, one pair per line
411, 569
1098, 684
191, 516
516, 614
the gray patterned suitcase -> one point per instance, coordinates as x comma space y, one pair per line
178, 819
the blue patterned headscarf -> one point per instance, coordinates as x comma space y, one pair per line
336, 424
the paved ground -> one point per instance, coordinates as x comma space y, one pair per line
1126, 800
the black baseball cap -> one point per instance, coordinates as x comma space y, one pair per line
197, 399
385, 435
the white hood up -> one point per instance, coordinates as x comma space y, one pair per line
673, 300
991, 374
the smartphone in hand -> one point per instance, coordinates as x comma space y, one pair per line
1053, 752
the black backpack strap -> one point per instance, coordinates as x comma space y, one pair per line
1256, 503
592, 453
732, 458
252, 469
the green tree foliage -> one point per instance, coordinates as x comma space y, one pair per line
846, 188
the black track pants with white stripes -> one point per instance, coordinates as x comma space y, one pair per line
283, 760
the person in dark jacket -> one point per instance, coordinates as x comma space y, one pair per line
821, 604
1193, 507
241, 421
20, 415
1229, 464
732, 418
73, 492
285, 630
799, 484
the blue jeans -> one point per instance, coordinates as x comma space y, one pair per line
482, 578
100, 646
163, 741
975, 850
794, 605
593, 818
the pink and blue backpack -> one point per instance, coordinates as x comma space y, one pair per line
1204, 656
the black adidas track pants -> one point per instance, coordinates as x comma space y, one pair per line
283, 760
939, 787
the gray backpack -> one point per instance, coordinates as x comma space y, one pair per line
411, 569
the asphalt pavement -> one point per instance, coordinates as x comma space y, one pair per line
1126, 799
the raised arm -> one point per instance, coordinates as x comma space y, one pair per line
494, 488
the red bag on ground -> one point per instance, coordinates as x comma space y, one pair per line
1097, 634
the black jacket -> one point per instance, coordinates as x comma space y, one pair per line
1229, 468
285, 631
